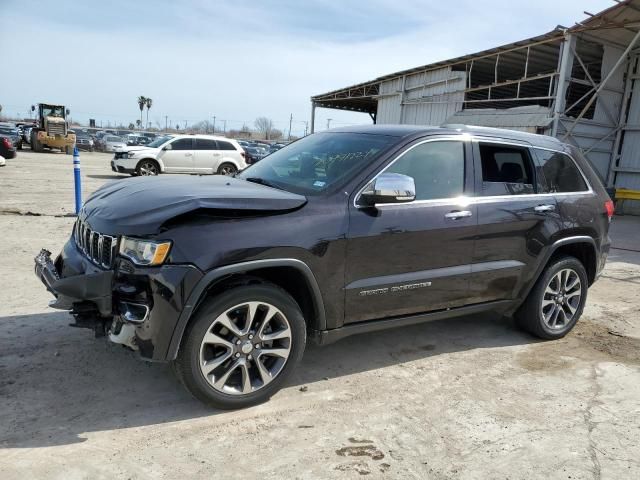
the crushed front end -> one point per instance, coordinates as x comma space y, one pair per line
135, 305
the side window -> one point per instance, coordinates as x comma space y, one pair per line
225, 145
506, 170
206, 144
437, 169
560, 173
182, 144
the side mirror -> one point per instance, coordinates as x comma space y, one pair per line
167, 147
389, 188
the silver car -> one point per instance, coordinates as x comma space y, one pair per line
113, 143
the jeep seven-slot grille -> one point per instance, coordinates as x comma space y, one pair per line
99, 248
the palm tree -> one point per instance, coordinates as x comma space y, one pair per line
149, 103
142, 102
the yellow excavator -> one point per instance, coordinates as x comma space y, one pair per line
51, 129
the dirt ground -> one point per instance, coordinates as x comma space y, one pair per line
470, 398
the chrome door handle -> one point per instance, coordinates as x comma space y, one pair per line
458, 214
544, 208
188, 154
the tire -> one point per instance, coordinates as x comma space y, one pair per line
35, 144
225, 386
563, 299
147, 167
68, 150
19, 147
227, 169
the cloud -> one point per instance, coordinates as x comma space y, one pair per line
240, 59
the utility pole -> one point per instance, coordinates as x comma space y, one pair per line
329, 123
214, 124
306, 128
290, 120
166, 123
224, 127
185, 124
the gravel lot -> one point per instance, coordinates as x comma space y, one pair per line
470, 398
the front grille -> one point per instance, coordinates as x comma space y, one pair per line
55, 128
99, 248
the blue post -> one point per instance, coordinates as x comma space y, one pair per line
76, 179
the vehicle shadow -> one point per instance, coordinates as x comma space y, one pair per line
109, 177
58, 383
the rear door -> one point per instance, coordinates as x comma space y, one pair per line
411, 258
207, 155
516, 219
179, 159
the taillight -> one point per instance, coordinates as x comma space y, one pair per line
610, 208
243, 155
7, 143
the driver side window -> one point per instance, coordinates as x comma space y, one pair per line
437, 169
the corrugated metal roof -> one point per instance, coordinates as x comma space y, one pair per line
518, 117
611, 23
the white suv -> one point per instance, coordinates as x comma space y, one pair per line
182, 154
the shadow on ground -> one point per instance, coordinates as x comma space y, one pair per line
108, 177
57, 383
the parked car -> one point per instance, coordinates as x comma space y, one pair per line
3, 162
113, 144
254, 154
7, 148
10, 131
204, 154
135, 140
84, 141
345, 231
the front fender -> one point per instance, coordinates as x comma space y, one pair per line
199, 292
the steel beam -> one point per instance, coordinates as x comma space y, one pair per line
565, 67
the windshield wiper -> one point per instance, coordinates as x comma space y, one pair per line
262, 181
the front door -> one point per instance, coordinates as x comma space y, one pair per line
180, 157
415, 257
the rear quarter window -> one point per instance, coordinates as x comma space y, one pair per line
558, 173
225, 145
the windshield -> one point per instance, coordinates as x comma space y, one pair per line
318, 162
8, 130
158, 142
51, 111
113, 139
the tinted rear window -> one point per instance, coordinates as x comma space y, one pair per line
206, 144
225, 145
559, 173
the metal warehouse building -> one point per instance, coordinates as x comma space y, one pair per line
579, 84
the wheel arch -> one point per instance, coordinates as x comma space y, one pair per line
293, 275
158, 161
582, 247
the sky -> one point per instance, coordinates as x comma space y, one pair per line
238, 60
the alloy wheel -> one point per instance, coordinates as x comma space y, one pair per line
227, 170
245, 348
561, 299
148, 168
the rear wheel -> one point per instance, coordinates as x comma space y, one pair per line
556, 302
147, 168
242, 346
227, 169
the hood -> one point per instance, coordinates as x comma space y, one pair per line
141, 148
140, 205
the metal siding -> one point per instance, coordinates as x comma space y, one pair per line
630, 154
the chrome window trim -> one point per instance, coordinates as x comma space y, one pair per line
465, 137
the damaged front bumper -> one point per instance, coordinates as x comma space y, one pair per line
136, 306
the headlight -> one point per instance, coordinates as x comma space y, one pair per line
131, 154
144, 252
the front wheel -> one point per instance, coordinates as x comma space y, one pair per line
147, 168
555, 303
227, 169
241, 346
